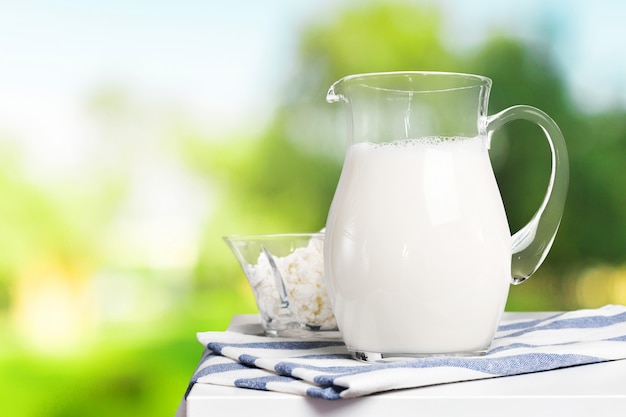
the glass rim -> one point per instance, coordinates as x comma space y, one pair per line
482, 78
472, 81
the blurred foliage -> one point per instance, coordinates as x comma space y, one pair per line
282, 180
126, 369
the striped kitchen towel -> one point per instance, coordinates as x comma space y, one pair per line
324, 369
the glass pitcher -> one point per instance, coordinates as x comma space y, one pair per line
418, 252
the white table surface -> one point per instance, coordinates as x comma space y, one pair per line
588, 390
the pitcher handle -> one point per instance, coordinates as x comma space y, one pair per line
531, 244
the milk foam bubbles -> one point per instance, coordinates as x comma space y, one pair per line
418, 247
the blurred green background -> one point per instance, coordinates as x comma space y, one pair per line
134, 135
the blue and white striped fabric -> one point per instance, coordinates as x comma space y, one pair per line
324, 369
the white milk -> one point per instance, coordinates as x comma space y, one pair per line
418, 248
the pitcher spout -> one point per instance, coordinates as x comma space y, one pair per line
334, 93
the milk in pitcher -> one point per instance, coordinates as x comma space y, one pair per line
392, 297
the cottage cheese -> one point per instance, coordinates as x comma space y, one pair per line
303, 276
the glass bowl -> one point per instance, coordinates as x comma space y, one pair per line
286, 274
